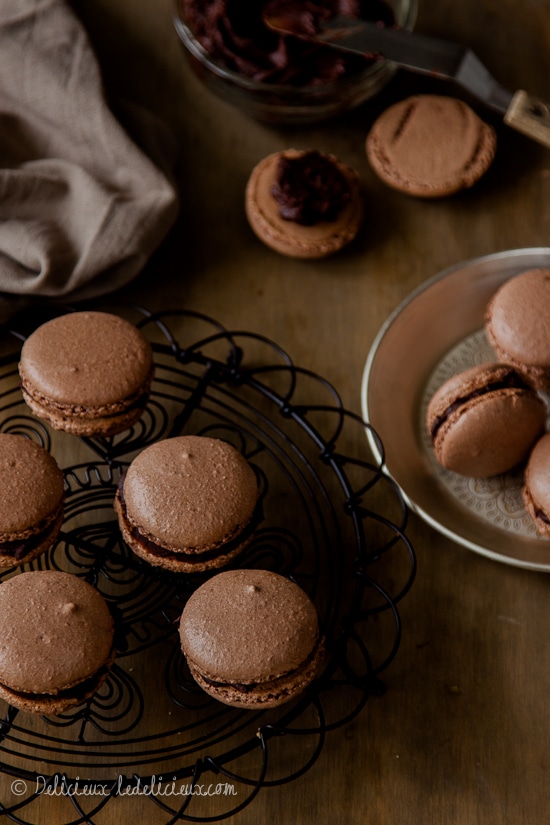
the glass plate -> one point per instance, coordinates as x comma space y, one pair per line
435, 332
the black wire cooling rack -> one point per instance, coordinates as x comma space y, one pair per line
332, 522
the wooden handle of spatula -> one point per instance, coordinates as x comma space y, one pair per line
529, 116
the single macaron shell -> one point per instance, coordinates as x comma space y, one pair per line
57, 641
31, 500
88, 373
430, 146
188, 503
484, 421
251, 638
517, 323
536, 486
289, 237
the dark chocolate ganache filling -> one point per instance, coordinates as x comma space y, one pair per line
248, 687
310, 188
542, 516
233, 33
19, 548
137, 400
196, 556
78, 692
509, 380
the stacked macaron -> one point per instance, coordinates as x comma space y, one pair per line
188, 504
88, 373
31, 500
57, 641
485, 420
536, 487
492, 418
251, 638
517, 324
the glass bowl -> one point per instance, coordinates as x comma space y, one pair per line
287, 103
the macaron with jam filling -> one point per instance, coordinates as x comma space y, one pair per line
536, 485
251, 638
31, 500
188, 504
88, 373
430, 146
517, 323
57, 641
304, 203
485, 420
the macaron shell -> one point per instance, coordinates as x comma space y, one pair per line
57, 631
87, 422
430, 146
178, 561
48, 540
190, 493
290, 238
536, 488
31, 487
59, 703
464, 383
517, 323
265, 694
248, 626
490, 434
87, 359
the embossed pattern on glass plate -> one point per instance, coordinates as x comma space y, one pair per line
434, 332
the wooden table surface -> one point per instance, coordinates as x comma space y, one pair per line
460, 735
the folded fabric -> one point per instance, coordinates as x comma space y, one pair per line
81, 206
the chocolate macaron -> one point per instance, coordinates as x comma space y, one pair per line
88, 373
430, 146
485, 420
56, 645
188, 504
517, 323
31, 500
304, 203
536, 485
251, 638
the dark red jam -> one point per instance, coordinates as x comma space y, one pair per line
310, 188
234, 34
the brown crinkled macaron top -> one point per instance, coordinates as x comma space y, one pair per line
430, 146
190, 492
31, 485
89, 359
518, 319
56, 631
248, 626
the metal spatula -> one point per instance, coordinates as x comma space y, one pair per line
427, 55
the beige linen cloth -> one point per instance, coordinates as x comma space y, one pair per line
81, 206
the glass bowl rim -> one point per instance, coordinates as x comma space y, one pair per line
195, 48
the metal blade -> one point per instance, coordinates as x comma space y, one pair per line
427, 55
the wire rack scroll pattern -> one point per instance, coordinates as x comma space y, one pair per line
334, 524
